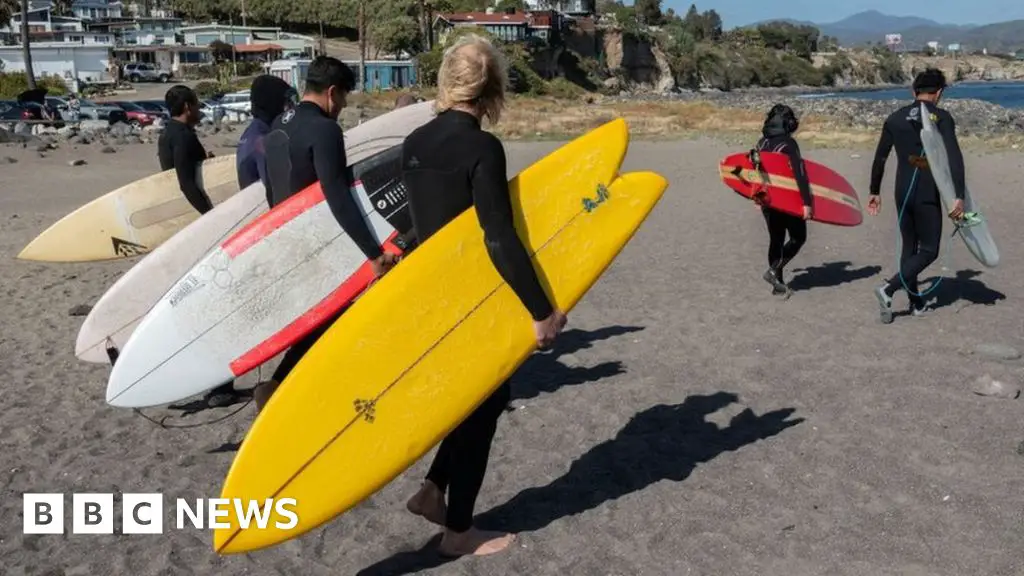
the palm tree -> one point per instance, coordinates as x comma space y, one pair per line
26, 52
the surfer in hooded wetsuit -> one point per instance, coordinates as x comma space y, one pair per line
270, 96
917, 196
450, 165
777, 136
306, 145
179, 147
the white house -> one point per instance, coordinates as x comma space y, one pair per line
204, 34
44, 26
83, 62
86, 9
581, 7
141, 31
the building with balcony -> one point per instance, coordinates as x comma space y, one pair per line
508, 26
45, 26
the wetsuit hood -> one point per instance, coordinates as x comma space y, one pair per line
269, 95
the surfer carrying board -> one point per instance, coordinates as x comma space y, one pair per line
448, 166
305, 145
777, 136
179, 148
917, 196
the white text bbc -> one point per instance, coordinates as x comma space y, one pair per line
144, 513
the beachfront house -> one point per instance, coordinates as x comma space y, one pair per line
76, 63
267, 41
45, 26
380, 74
509, 25
570, 7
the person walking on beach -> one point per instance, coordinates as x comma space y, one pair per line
917, 197
777, 136
448, 166
179, 148
306, 145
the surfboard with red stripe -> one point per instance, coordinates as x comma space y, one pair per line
834, 199
262, 290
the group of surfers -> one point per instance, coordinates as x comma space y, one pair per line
450, 165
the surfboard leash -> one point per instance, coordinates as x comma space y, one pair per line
899, 239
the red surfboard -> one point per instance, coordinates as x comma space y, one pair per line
769, 176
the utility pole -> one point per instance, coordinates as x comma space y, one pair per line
361, 24
26, 52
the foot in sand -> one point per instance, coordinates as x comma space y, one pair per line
429, 503
474, 542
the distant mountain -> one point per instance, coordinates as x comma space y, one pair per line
872, 26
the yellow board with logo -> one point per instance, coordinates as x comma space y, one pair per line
431, 341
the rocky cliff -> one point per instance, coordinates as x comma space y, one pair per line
967, 68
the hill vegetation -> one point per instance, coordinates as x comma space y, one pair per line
699, 53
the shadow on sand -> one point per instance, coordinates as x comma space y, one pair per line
962, 287
830, 275
664, 442
543, 373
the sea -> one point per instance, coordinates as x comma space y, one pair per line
1007, 94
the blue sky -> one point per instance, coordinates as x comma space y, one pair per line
740, 12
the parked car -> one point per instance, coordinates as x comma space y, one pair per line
237, 102
89, 110
137, 115
11, 111
156, 107
141, 72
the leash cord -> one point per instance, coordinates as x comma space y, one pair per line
899, 241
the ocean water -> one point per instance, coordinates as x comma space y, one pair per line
1008, 94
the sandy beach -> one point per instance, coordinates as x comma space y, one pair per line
687, 423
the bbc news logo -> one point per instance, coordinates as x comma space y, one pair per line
144, 513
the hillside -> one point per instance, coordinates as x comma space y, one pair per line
870, 27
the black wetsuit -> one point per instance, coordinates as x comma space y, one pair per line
776, 139
179, 148
918, 205
450, 165
305, 145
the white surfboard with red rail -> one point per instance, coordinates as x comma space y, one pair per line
259, 292
119, 311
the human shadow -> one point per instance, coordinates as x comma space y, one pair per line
964, 286
543, 373
664, 442
830, 275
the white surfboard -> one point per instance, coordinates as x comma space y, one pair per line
259, 292
116, 315
974, 230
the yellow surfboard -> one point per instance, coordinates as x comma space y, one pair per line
432, 339
131, 220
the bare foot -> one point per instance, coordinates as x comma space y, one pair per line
429, 503
262, 393
474, 541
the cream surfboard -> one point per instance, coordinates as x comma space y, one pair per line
117, 313
974, 228
430, 342
132, 220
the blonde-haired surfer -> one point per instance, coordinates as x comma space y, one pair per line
450, 165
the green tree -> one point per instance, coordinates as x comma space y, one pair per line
648, 11
503, 5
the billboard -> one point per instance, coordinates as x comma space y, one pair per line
953, 47
933, 45
893, 39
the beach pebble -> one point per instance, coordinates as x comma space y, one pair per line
80, 310
108, 150
10, 160
997, 351
76, 163
988, 386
